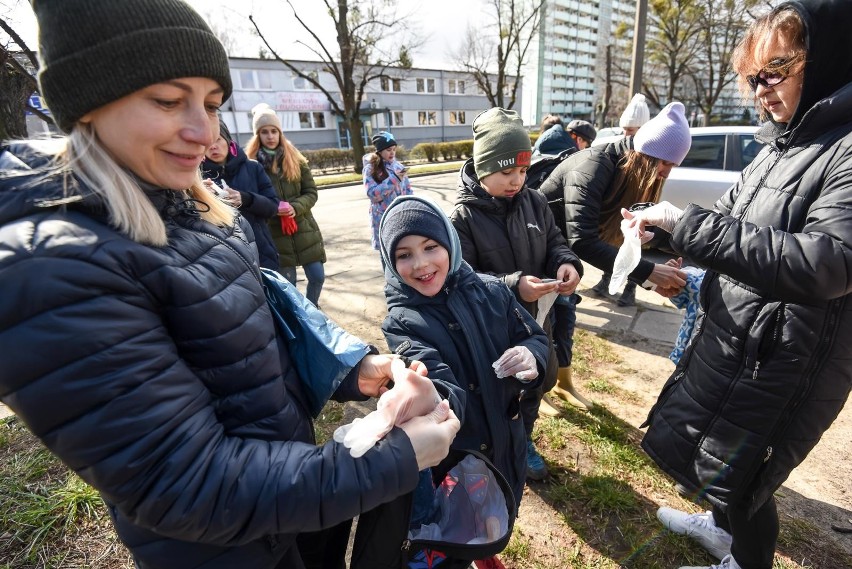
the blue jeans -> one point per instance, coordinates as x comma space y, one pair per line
315, 273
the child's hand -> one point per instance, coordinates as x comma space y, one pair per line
517, 361
532, 288
568, 278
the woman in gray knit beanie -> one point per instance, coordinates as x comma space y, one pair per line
167, 388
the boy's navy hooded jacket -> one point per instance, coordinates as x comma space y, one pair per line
259, 200
458, 334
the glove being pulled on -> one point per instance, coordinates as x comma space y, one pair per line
663, 215
517, 361
412, 396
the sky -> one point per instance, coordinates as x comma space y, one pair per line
442, 24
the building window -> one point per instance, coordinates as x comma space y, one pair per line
427, 118
425, 85
251, 79
389, 84
312, 120
396, 118
302, 84
457, 117
456, 86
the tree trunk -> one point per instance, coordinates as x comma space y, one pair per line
355, 127
15, 90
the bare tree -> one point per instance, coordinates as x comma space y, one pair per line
18, 64
672, 48
491, 54
364, 30
726, 22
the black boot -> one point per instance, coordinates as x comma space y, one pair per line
628, 296
600, 290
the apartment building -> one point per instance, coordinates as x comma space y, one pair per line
417, 105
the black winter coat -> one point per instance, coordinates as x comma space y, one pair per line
458, 334
576, 192
165, 387
259, 202
769, 367
508, 238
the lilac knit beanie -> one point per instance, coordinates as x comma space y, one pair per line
666, 136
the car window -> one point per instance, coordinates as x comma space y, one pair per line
750, 148
707, 151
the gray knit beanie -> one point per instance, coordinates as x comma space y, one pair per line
411, 217
666, 136
94, 52
500, 141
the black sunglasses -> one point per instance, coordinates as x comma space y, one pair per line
773, 74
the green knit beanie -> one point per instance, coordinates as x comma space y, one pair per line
500, 141
94, 52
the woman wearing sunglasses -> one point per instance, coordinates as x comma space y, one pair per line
768, 368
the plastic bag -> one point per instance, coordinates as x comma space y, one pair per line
629, 255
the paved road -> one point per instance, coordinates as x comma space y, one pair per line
353, 293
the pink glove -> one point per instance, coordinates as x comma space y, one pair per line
412, 396
517, 361
284, 208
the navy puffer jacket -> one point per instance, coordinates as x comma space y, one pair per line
155, 374
458, 334
259, 201
769, 367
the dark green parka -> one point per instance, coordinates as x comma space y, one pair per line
305, 246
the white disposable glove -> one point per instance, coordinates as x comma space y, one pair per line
517, 361
663, 215
432, 434
628, 257
412, 396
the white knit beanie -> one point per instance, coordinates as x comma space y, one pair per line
636, 114
666, 136
263, 115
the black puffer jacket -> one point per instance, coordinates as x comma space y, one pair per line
770, 366
154, 373
508, 238
576, 192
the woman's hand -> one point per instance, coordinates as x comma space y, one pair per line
376, 373
568, 278
663, 215
431, 435
285, 209
233, 197
531, 288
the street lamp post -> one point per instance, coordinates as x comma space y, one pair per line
638, 48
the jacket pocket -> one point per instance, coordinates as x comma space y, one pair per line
763, 337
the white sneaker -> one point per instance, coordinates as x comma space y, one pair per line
727, 563
701, 528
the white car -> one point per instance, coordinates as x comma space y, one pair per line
715, 160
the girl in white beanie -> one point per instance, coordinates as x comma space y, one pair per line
587, 191
635, 115
296, 233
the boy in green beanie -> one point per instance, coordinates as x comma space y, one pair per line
508, 231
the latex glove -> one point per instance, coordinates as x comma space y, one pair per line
432, 434
628, 257
412, 396
517, 361
663, 215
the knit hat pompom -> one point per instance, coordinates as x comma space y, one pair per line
94, 52
263, 115
411, 217
666, 136
383, 140
636, 114
500, 141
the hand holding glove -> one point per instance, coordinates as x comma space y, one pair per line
517, 361
663, 215
432, 434
412, 396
